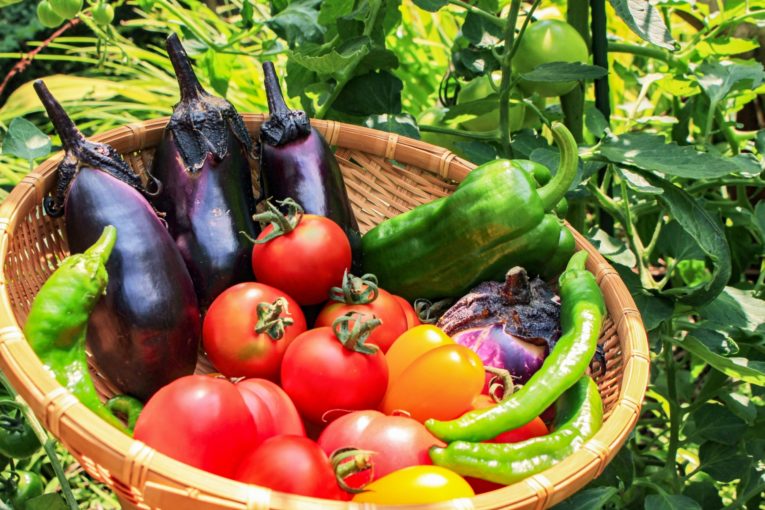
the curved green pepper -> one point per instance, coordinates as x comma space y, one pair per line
581, 316
497, 218
58, 319
542, 176
579, 415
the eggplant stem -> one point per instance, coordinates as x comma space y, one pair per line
187, 79
276, 104
67, 131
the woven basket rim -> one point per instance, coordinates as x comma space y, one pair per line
141, 467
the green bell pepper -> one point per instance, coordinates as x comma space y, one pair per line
497, 218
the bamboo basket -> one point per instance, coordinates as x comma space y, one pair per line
386, 174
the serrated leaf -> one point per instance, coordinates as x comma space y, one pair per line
25, 141
737, 368
372, 93
332, 63
591, 499
430, 5
564, 71
707, 233
718, 79
644, 20
298, 23
403, 124
715, 423
652, 153
332, 9
596, 122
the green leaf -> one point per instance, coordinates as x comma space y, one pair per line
477, 152
714, 422
707, 233
370, 93
6, 3
220, 67
25, 141
693, 272
403, 124
759, 215
473, 108
748, 165
720, 78
333, 63
591, 499
702, 488
674, 241
430, 5
738, 368
726, 46
49, 501
664, 501
247, 13
718, 343
652, 153
596, 122
760, 141
614, 249
740, 405
481, 32
736, 310
564, 71
298, 23
654, 309
330, 10
644, 20
637, 182
722, 462
621, 470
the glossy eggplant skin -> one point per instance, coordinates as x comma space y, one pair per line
296, 162
206, 212
145, 331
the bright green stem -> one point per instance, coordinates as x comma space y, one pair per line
674, 412
578, 14
282, 223
506, 83
491, 18
553, 191
104, 245
643, 51
476, 135
270, 320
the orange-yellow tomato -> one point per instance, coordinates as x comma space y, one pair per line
416, 485
431, 376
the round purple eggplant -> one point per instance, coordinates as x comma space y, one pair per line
205, 181
296, 162
145, 331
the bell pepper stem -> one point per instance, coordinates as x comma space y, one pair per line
552, 192
126, 405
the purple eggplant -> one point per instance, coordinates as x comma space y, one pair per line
145, 331
206, 190
296, 162
511, 325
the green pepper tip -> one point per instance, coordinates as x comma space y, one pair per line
552, 192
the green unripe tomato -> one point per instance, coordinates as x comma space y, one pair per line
544, 42
103, 14
47, 17
29, 486
481, 87
67, 9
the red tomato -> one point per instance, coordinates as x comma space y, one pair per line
397, 441
271, 408
385, 308
306, 262
534, 428
321, 375
412, 319
230, 336
291, 464
202, 421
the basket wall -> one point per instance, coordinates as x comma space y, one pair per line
385, 175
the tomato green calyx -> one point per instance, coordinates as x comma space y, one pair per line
356, 290
353, 338
270, 320
502, 380
428, 312
127, 406
348, 461
282, 223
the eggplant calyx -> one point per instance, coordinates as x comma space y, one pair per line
356, 290
201, 122
284, 125
270, 320
79, 152
353, 338
282, 223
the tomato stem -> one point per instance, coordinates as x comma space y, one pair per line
356, 290
283, 223
353, 338
348, 461
270, 320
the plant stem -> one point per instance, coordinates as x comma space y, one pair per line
347, 73
674, 412
506, 84
476, 135
600, 55
496, 20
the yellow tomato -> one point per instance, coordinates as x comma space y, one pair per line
412, 344
416, 485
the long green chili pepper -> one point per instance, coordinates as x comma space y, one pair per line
57, 323
581, 316
579, 415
